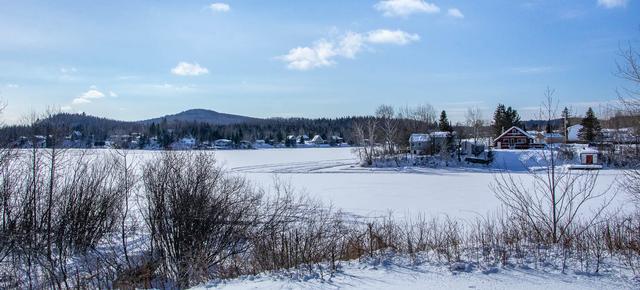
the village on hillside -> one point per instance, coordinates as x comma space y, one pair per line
392, 138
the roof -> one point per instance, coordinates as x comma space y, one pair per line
419, 137
509, 130
589, 151
440, 134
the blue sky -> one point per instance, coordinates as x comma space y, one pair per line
140, 59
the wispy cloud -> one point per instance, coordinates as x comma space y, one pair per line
534, 69
455, 13
397, 37
323, 52
88, 97
612, 3
220, 7
189, 69
404, 8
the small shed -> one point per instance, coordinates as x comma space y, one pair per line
589, 157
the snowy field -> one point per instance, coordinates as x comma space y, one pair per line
331, 175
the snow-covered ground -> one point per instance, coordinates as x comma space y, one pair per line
403, 273
332, 175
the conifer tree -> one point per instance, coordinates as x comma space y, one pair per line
444, 124
591, 129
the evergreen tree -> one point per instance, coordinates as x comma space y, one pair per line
444, 124
504, 118
499, 117
591, 129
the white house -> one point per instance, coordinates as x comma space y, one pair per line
572, 133
317, 140
418, 143
222, 144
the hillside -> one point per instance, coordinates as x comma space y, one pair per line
203, 116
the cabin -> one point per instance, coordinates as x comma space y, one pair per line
514, 138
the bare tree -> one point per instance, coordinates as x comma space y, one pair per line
365, 134
553, 200
474, 120
199, 216
389, 129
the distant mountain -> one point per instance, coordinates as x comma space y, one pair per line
203, 116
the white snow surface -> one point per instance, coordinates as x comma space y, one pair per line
405, 273
333, 176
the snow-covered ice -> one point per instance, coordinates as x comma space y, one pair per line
332, 175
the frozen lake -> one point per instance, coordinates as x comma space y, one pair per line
332, 176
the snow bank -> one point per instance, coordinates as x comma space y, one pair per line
407, 273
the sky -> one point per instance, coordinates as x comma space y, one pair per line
134, 60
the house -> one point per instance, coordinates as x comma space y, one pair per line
572, 133
619, 136
336, 140
222, 144
440, 139
185, 143
418, 143
244, 144
514, 138
317, 140
553, 138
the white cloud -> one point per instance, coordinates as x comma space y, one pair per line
323, 52
384, 36
112, 94
88, 97
306, 58
404, 8
455, 12
189, 69
612, 3
220, 7
12, 86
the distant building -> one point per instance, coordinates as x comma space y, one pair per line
589, 157
514, 138
223, 144
419, 143
317, 140
573, 133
